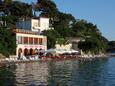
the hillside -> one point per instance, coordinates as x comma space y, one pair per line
65, 25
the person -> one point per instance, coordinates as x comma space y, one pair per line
19, 56
41, 52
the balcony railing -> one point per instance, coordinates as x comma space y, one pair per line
26, 31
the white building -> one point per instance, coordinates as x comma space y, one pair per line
66, 47
72, 44
28, 38
35, 24
29, 42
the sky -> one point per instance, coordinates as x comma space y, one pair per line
99, 12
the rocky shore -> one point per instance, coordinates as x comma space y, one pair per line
2, 56
51, 58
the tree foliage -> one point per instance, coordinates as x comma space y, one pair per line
52, 35
47, 7
9, 21
111, 44
16, 8
94, 41
7, 41
111, 48
20, 9
61, 41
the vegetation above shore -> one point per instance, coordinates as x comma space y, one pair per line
111, 48
7, 42
65, 25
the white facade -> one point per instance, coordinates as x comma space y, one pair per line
37, 25
27, 43
67, 47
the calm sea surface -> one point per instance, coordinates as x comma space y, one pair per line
100, 72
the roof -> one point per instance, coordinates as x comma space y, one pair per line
28, 18
74, 39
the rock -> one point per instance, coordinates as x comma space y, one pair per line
2, 56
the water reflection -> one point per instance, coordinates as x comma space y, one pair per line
60, 73
90, 74
7, 76
32, 73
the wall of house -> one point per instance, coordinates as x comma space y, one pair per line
63, 47
37, 25
44, 24
28, 42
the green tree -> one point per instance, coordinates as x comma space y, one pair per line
20, 9
111, 44
52, 36
64, 24
61, 41
7, 41
47, 7
5, 6
9, 20
94, 41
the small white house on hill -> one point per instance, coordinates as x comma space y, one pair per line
38, 24
72, 44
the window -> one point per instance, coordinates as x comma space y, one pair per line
30, 40
25, 40
19, 40
35, 40
40, 41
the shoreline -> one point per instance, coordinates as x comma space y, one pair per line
4, 62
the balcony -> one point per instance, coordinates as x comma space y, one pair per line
26, 31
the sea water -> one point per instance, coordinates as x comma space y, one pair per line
99, 72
